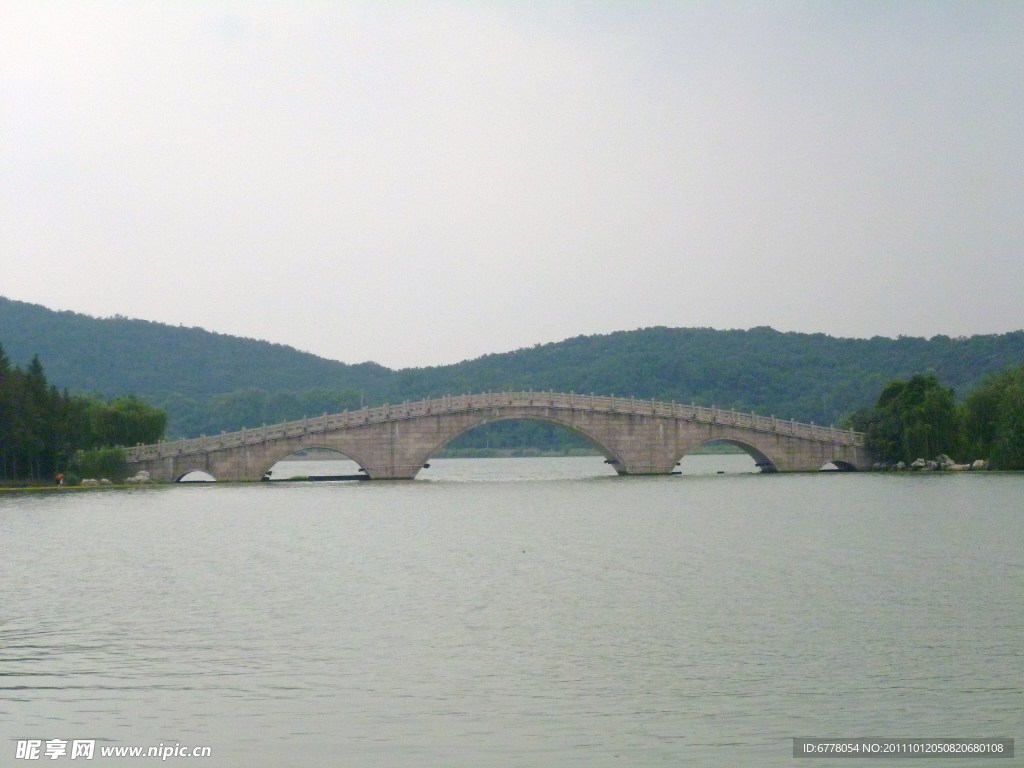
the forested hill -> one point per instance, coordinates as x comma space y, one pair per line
117, 355
811, 377
209, 381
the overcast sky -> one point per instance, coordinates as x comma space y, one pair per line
421, 183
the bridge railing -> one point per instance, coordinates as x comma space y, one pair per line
470, 402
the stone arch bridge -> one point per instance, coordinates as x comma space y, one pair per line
637, 437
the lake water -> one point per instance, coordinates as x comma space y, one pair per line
515, 612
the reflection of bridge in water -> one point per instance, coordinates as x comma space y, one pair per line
637, 437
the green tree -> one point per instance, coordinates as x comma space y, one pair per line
124, 421
993, 419
323, 400
32, 432
41, 428
6, 412
107, 463
912, 419
929, 417
234, 410
283, 406
33, 422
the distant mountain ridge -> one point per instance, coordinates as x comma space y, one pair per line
117, 355
809, 377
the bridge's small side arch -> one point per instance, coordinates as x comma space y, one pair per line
610, 456
843, 466
761, 460
196, 470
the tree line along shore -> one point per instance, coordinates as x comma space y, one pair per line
49, 436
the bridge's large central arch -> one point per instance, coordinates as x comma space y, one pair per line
313, 462
561, 425
517, 437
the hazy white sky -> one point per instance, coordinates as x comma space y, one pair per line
418, 183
